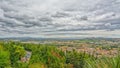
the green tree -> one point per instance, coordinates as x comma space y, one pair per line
4, 58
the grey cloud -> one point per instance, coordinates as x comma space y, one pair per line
81, 18
31, 17
60, 15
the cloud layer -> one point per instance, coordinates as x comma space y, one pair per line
60, 18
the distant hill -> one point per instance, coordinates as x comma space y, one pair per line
59, 39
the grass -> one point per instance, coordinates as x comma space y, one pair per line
104, 62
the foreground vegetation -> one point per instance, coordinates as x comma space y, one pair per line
50, 56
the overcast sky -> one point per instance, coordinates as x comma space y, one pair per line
60, 18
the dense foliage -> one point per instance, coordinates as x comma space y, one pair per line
49, 56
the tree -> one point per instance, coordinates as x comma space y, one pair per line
4, 58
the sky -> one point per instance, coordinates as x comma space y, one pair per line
60, 18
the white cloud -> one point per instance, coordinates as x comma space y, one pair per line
41, 17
